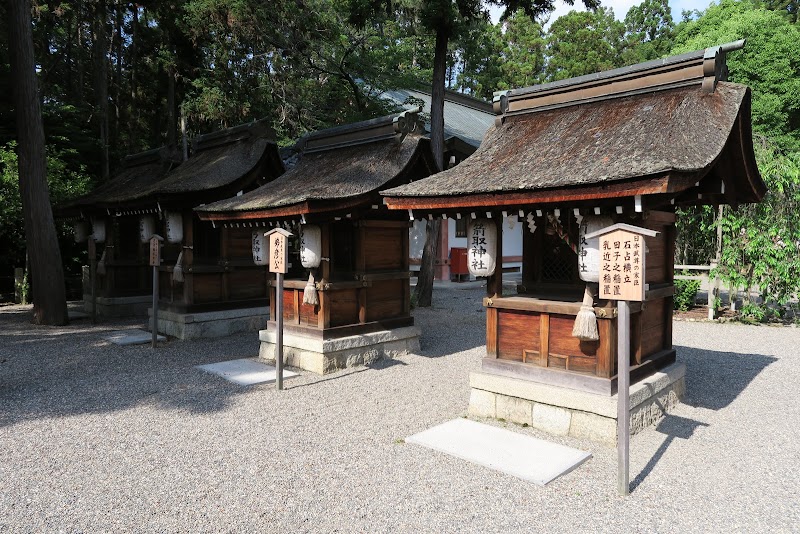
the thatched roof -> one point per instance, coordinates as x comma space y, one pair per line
671, 129
343, 166
221, 163
140, 172
681, 130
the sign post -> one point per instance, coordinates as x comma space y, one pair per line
622, 278
93, 275
155, 261
278, 264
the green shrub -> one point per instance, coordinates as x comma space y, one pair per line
685, 294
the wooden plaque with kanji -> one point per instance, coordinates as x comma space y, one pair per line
278, 253
622, 256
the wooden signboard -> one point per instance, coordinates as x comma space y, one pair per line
622, 270
155, 250
278, 239
278, 250
622, 257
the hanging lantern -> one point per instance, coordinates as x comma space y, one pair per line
482, 242
174, 227
260, 249
310, 245
589, 249
81, 230
99, 230
147, 227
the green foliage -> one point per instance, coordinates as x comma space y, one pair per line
769, 63
761, 242
583, 43
685, 294
64, 182
649, 31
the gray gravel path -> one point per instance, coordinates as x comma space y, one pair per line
96, 437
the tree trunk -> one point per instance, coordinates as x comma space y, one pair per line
101, 84
47, 275
423, 293
172, 117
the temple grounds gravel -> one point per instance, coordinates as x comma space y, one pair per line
98, 437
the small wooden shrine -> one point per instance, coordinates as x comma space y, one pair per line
346, 296
124, 284
208, 285
570, 158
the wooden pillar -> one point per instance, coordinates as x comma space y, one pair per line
324, 318
494, 284
223, 249
405, 267
188, 258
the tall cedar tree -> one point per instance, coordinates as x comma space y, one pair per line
446, 19
47, 275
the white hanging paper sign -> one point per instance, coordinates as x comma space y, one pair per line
482, 243
310, 245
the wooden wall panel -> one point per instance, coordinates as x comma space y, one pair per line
343, 307
383, 248
517, 331
384, 299
288, 305
561, 341
309, 315
247, 284
207, 287
240, 244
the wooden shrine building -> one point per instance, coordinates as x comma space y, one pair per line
346, 296
208, 285
568, 158
123, 286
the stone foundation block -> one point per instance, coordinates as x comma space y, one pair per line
482, 403
514, 410
119, 306
552, 419
323, 356
564, 411
210, 324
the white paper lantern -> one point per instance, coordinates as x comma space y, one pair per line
147, 227
174, 227
589, 249
81, 231
99, 230
260, 248
482, 243
310, 245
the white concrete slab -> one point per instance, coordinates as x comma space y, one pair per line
134, 336
525, 457
245, 371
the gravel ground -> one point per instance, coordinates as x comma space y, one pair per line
96, 437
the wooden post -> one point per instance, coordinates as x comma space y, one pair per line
623, 398
279, 332
93, 276
155, 262
278, 264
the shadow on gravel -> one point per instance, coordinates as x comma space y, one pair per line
674, 427
64, 372
714, 379
455, 323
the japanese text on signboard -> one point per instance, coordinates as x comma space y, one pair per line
622, 266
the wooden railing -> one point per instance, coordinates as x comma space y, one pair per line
704, 274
